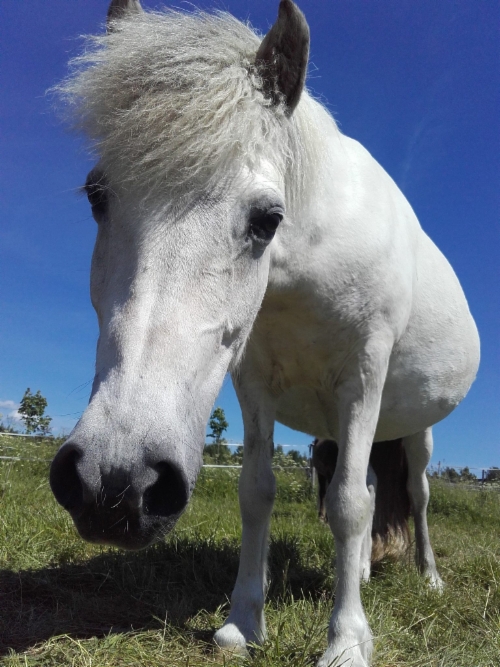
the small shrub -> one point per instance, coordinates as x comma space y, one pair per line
218, 483
293, 486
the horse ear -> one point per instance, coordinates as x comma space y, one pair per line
118, 9
282, 56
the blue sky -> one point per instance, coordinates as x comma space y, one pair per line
416, 82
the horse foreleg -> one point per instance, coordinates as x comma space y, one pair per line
418, 450
257, 489
349, 504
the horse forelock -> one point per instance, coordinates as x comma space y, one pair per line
173, 100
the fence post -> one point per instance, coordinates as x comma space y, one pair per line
314, 474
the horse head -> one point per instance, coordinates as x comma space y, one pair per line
191, 116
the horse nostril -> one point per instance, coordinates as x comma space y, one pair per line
65, 480
168, 495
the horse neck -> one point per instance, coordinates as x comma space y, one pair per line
322, 154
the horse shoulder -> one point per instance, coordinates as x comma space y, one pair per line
352, 247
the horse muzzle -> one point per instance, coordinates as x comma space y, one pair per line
126, 506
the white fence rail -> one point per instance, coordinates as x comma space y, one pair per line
483, 471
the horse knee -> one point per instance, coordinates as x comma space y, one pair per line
349, 510
257, 496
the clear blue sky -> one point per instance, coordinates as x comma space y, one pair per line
416, 82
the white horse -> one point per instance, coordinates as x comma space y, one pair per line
239, 229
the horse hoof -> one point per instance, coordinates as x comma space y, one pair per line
353, 655
345, 659
435, 583
231, 641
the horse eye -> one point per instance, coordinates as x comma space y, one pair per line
263, 226
97, 193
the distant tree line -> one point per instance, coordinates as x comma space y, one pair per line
32, 413
465, 475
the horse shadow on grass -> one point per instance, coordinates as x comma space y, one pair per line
135, 591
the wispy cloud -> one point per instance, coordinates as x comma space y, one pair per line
9, 405
12, 414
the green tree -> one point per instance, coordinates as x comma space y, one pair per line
451, 474
218, 425
32, 411
467, 476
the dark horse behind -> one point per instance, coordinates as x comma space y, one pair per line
388, 473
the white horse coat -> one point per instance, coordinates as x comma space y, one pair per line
362, 264
240, 230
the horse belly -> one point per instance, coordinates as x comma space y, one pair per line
434, 364
430, 371
427, 378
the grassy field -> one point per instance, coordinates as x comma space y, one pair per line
65, 602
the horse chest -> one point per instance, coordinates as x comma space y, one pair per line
294, 347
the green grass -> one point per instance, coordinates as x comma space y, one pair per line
66, 602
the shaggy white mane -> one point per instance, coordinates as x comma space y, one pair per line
173, 100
